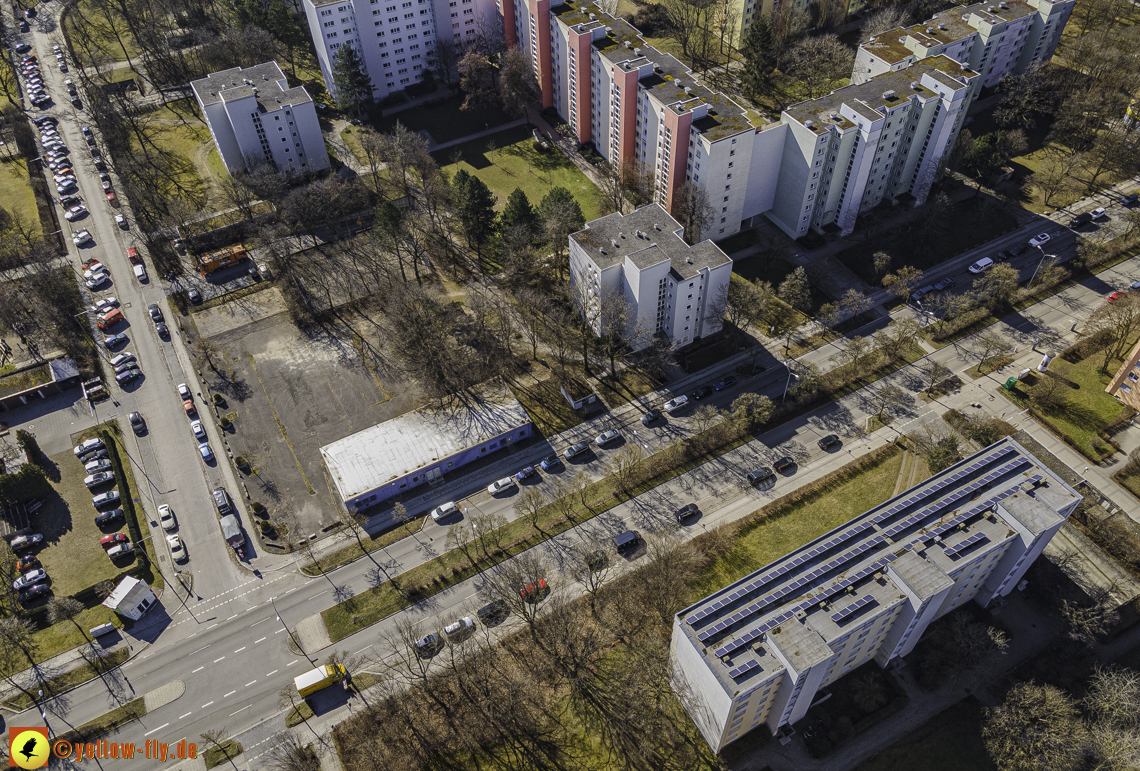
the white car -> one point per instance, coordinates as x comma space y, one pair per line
1040, 239
106, 304
444, 510
183, 391
675, 403
199, 431
206, 452
81, 237
25, 541
75, 212
97, 280
121, 221
166, 517
39, 575
506, 483
606, 437
460, 628
177, 550
97, 465
1098, 213
95, 267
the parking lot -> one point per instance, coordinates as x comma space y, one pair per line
290, 395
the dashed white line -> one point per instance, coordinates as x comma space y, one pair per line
251, 682
291, 663
366, 647
242, 648
267, 674
263, 639
211, 626
279, 631
243, 709
204, 647
153, 730
255, 623
207, 704
231, 618
231, 693
217, 660
199, 669
186, 715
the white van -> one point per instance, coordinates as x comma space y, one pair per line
981, 265
140, 273
118, 550
122, 358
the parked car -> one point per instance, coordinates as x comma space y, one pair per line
829, 441
650, 416
444, 510
493, 612
549, 462
97, 280
459, 629
166, 517
945, 283
428, 645
121, 358
120, 550
121, 221
137, 422
104, 305
195, 296
184, 391
981, 265
33, 593
37, 576
128, 376
101, 478
702, 392
687, 511
205, 451
535, 591
25, 541
526, 473
785, 463
1130, 199
727, 382
108, 541
109, 498
177, 550
500, 485
93, 455
80, 237
676, 403
155, 313
1081, 219
606, 437
574, 450
109, 517
1098, 212
1040, 239
627, 541
88, 445
1115, 296
196, 427
918, 294
27, 562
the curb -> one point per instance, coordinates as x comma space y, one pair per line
135, 653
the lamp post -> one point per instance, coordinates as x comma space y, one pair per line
1039, 264
286, 628
788, 364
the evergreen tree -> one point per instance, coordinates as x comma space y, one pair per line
475, 205
559, 202
351, 81
758, 51
518, 211
281, 22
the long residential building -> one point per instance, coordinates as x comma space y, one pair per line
759, 651
640, 261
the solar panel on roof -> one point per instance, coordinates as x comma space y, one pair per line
743, 669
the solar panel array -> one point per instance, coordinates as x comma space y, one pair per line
961, 548
941, 484
743, 668
858, 605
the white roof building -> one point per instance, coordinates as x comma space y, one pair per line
131, 598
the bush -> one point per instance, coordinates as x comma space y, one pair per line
257, 507
652, 20
224, 422
218, 398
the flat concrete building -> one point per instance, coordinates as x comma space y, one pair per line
757, 652
421, 446
672, 289
254, 117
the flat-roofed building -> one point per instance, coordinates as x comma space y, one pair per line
1125, 384
757, 651
419, 447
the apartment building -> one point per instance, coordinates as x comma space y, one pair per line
253, 116
993, 39
760, 651
670, 288
395, 38
1125, 384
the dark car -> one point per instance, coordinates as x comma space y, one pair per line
24, 26
727, 382
687, 511
161, 329
1083, 218
574, 450
1003, 255
785, 463
627, 541
109, 517
493, 612
526, 473
829, 441
195, 296
945, 283
651, 416
702, 392
1019, 249
155, 314
23, 48
550, 461
760, 475
98, 454
1130, 199
33, 592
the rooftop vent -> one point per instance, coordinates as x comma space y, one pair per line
916, 85
278, 99
991, 9
656, 226
265, 77
592, 17
835, 117
628, 44
689, 260
930, 30
609, 30
614, 242
689, 90
211, 93
941, 26
637, 51
810, 124
888, 95
600, 249
1003, 6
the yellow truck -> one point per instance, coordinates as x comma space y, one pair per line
222, 258
321, 677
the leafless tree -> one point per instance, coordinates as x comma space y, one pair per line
518, 584
693, 209
288, 754
819, 63
990, 343
1036, 728
704, 417
530, 504
623, 465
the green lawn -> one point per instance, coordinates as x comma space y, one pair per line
181, 141
629, 384
222, 753
792, 526
546, 406
445, 120
16, 194
71, 678
516, 163
106, 722
95, 24
951, 741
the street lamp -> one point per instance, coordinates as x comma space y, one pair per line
1039, 264
788, 364
286, 628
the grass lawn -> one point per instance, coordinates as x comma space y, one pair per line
108, 721
546, 406
790, 527
516, 163
180, 136
16, 194
222, 753
303, 711
96, 25
950, 741
987, 221
1083, 406
71, 678
445, 121
629, 384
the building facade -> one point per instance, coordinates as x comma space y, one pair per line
635, 269
1125, 385
420, 447
395, 38
254, 116
995, 40
759, 651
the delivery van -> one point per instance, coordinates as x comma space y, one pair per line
319, 678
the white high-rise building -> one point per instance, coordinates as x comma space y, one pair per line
759, 650
670, 288
394, 37
254, 116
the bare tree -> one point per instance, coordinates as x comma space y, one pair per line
818, 63
623, 465
288, 754
519, 583
693, 209
1036, 728
990, 343
530, 504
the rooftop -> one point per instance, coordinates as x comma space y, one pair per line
882, 92
946, 27
647, 236
395, 448
264, 81
862, 568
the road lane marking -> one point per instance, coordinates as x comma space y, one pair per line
231, 693
242, 648
251, 682
199, 669
291, 663
210, 627
186, 715
231, 618
243, 709
279, 631
153, 730
204, 647
263, 639
207, 704
366, 647
217, 660
255, 623
271, 673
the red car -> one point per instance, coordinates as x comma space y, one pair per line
27, 562
1115, 296
108, 541
111, 197
534, 592
188, 405
90, 263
